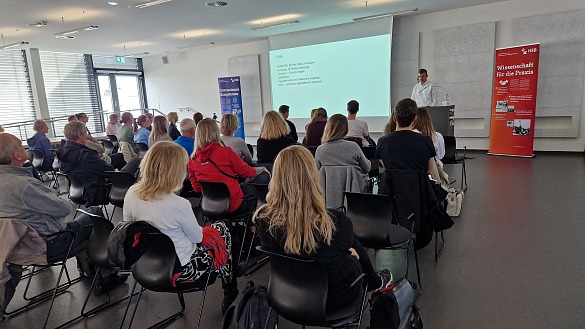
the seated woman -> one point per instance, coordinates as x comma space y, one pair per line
126, 132
40, 142
159, 131
212, 162
228, 127
152, 199
316, 127
335, 151
173, 117
294, 221
424, 125
142, 133
273, 137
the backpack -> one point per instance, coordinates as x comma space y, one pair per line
250, 310
393, 308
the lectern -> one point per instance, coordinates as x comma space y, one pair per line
443, 118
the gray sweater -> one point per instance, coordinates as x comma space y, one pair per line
342, 153
239, 146
24, 197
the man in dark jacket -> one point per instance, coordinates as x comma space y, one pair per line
76, 158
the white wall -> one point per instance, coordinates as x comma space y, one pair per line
190, 79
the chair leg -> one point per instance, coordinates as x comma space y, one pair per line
112, 214
132, 294
463, 176
439, 250
417, 268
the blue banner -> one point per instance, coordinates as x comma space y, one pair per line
230, 97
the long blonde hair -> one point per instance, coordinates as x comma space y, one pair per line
295, 204
273, 126
335, 128
423, 122
206, 133
159, 129
162, 170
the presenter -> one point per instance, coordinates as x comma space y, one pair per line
424, 92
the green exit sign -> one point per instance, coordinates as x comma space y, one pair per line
120, 59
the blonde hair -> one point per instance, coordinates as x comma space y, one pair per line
335, 128
295, 204
159, 128
162, 170
273, 126
173, 117
390, 127
423, 122
72, 118
206, 133
320, 114
228, 125
38, 124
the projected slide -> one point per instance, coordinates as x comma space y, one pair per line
330, 74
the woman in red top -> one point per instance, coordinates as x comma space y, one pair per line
210, 159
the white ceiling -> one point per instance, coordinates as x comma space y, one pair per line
163, 28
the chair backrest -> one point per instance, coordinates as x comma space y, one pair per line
154, 270
262, 191
38, 158
312, 149
142, 149
121, 182
450, 149
97, 246
338, 179
113, 138
356, 140
369, 152
108, 146
371, 215
215, 201
297, 289
76, 189
251, 149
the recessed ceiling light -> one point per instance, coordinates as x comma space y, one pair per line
37, 24
216, 4
112, 3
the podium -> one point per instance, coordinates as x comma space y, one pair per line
443, 118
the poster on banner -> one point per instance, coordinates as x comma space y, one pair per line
514, 101
230, 98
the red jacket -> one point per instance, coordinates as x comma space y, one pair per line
200, 169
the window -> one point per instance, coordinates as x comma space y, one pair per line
16, 98
71, 88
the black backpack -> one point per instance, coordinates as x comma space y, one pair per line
393, 308
250, 310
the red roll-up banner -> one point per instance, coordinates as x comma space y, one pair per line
514, 101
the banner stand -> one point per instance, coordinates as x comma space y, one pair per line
230, 98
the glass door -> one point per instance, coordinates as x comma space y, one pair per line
120, 92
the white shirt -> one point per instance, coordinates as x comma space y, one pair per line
111, 129
172, 215
439, 144
358, 128
425, 94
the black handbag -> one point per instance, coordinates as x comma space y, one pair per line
393, 308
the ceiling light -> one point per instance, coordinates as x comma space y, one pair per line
136, 54
390, 14
216, 4
196, 46
112, 3
37, 24
66, 34
151, 3
264, 27
14, 45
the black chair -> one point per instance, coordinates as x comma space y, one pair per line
57, 260
374, 174
297, 290
108, 146
154, 272
77, 193
214, 205
251, 149
371, 216
451, 157
37, 161
121, 182
312, 149
142, 149
114, 141
262, 190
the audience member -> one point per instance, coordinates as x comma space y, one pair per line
83, 118
142, 133
150, 118
212, 162
152, 199
316, 127
390, 127
173, 117
228, 127
112, 127
197, 116
284, 111
187, 138
357, 128
273, 137
335, 151
72, 118
126, 134
294, 221
405, 149
159, 131
424, 125
78, 159
40, 142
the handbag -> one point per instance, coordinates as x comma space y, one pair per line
454, 202
394, 308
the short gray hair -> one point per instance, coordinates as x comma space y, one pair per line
8, 145
186, 125
73, 129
